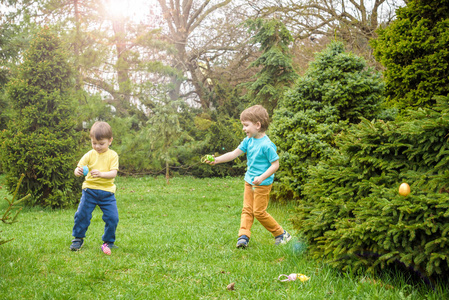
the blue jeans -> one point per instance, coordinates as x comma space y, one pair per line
108, 205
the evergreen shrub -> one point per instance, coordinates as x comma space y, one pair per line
222, 134
414, 51
40, 140
352, 213
337, 89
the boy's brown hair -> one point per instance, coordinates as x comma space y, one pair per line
254, 114
101, 130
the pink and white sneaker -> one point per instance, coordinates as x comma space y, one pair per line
105, 248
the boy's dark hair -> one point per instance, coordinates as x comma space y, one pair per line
254, 114
101, 130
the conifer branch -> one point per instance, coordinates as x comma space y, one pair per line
6, 218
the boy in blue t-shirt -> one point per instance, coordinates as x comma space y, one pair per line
262, 162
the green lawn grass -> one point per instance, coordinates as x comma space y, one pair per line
175, 241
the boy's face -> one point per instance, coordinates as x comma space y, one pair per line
251, 129
102, 145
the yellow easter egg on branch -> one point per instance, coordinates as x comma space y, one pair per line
404, 189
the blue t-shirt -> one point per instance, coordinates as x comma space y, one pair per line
260, 153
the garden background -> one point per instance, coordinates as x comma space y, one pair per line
358, 95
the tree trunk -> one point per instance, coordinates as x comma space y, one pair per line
167, 172
77, 47
122, 66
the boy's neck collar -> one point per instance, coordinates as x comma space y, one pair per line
101, 152
259, 135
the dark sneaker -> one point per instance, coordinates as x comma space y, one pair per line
282, 238
76, 245
242, 241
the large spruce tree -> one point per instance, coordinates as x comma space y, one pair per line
337, 89
40, 140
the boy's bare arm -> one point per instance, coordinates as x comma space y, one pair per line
270, 171
107, 175
228, 156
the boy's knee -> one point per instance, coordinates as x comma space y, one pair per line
81, 215
247, 210
114, 220
111, 219
260, 214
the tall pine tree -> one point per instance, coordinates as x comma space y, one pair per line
276, 73
40, 140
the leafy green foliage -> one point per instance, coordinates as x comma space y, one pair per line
228, 101
14, 39
208, 134
40, 140
337, 89
4, 108
277, 72
352, 213
223, 135
414, 51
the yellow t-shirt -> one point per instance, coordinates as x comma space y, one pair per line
103, 162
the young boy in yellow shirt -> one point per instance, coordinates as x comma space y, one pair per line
262, 163
98, 188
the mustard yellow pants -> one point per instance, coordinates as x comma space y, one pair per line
255, 203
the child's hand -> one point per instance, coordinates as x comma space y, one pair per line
257, 180
78, 171
212, 163
95, 173
209, 159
